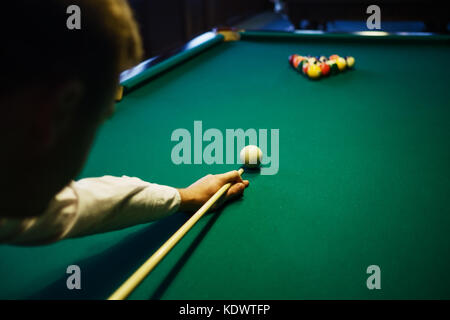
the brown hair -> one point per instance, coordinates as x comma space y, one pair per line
38, 48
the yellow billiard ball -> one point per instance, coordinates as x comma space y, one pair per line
251, 156
341, 63
350, 62
314, 71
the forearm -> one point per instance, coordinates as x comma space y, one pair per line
111, 203
93, 205
96, 205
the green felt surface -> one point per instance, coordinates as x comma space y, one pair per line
364, 179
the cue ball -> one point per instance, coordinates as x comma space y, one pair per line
251, 156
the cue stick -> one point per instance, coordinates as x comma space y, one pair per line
136, 278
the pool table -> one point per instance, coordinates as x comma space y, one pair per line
363, 179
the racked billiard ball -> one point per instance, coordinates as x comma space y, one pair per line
312, 60
300, 65
341, 63
325, 69
305, 67
314, 71
296, 61
334, 57
291, 58
350, 61
333, 66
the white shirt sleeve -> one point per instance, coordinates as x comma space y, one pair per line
93, 205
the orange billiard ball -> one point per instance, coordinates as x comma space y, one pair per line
334, 57
297, 61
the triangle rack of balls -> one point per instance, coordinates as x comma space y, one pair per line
318, 67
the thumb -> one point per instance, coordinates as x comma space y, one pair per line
231, 176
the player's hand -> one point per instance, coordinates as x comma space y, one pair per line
194, 196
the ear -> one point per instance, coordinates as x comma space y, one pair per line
56, 114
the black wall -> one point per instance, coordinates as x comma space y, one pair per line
168, 24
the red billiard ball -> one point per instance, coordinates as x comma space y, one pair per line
325, 68
291, 58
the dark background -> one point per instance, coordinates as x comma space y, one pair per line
166, 25
171, 23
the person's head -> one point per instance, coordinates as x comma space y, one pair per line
56, 86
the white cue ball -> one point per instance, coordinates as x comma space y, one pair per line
251, 156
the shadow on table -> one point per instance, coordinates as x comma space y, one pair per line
106, 271
165, 283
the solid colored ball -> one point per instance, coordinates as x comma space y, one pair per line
291, 58
350, 61
251, 156
314, 71
341, 63
325, 69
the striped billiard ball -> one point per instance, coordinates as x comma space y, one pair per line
333, 66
